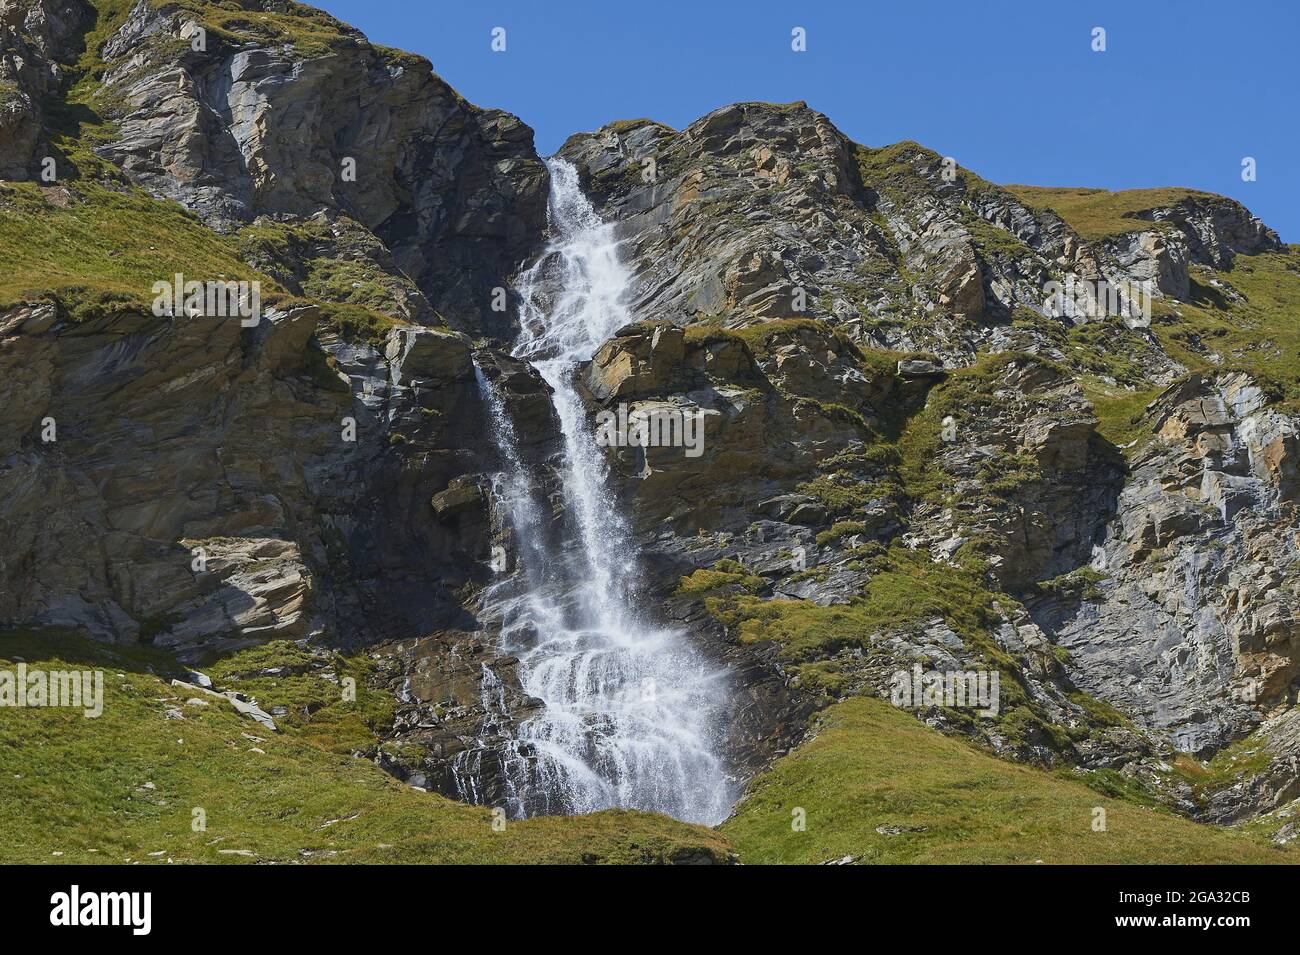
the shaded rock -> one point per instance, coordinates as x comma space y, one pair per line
38, 47
919, 368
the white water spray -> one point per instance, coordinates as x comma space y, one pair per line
630, 716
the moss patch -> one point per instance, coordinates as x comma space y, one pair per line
1120, 413
310, 31
725, 576
908, 588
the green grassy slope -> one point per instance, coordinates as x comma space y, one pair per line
99, 250
124, 787
1097, 213
88, 244
1249, 322
875, 766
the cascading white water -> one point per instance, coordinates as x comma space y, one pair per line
630, 716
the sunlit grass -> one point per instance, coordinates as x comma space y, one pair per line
1097, 213
74, 789
873, 767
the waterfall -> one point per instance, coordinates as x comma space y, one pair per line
630, 714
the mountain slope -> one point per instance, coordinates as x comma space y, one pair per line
191, 781
299, 796
900, 395
915, 453
879, 787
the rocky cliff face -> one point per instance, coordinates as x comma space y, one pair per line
204, 489
234, 123
37, 43
771, 212
913, 453
1194, 629
200, 494
791, 257
241, 129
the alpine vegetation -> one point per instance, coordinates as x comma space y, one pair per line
385, 491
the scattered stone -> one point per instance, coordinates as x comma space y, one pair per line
899, 830
329, 822
235, 699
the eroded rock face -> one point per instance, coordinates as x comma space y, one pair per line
1033, 482
760, 428
258, 591
1217, 229
1272, 787
38, 43
203, 491
759, 211
324, 256
1158, 260
200, 489
456, 718
1196, 629
795, 490
241, 129
727, 222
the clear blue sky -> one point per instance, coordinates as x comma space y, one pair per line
1011, 88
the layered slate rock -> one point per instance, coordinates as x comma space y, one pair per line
894, 412
247, 127
39, 42
1195, 629
200, 493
